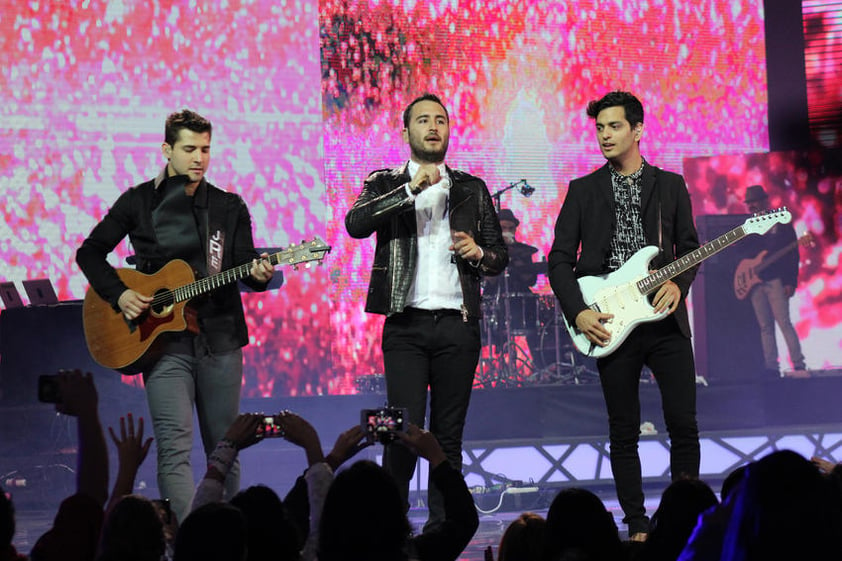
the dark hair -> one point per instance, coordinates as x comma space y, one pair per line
523, 539
632, 105
732, 481
132, 531
785, 509
426, 97
226, 525
364, 516
271, 532
185, 119
578, 524
673, 522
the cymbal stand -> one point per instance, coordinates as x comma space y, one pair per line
511, 359
488, 372
561, 371
506, 363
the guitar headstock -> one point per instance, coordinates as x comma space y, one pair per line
761, 223
305, 252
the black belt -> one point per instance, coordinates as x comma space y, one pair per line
435, 314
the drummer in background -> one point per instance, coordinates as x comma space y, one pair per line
513, 287
522, 271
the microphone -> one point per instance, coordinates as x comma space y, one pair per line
526, 189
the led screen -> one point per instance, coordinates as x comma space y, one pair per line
306, 98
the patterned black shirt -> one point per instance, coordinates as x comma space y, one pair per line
628, 235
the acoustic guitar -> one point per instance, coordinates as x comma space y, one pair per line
129, 346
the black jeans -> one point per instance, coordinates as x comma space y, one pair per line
669, 354
438, 350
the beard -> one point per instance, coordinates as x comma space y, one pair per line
422, 154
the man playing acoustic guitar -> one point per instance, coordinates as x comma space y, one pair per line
179, 215
777, 282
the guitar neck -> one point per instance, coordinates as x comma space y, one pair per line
652, 282
207, 284
775, 256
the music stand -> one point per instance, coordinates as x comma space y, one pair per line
40, 292
10, 295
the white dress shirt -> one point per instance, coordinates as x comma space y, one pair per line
435, 285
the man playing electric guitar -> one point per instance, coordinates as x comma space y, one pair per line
611, 214
179, 215
770, 297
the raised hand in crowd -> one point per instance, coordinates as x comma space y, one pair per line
79, 399
297, 501
824, 466
347, 445
300, 432
131, 452
424, 444
77, 524
242, 433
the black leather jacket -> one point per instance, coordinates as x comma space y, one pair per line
385, 207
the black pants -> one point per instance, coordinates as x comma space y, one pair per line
438, 350
669, 354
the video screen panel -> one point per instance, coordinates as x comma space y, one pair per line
306, 98
808, 184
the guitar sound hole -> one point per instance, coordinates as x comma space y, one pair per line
163, 302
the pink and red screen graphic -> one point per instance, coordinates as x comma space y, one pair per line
809, 185
306, 100
823, 66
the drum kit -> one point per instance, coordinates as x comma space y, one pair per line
524, 338
525, 341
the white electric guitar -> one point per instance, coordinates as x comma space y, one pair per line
625, 292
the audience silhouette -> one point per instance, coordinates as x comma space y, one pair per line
782, 506
133, 531
676, 516
523, 539
579, 527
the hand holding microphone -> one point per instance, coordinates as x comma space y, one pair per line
428, 174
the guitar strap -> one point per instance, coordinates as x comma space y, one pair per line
216, 247
214, 234
660, 221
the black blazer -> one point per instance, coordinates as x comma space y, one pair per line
220, 314
587, 220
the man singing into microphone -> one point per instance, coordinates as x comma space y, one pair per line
437, 234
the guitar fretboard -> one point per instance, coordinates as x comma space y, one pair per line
655, 280
308, 251
652, 282
205, 285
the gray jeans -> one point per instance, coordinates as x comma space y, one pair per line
771, 305
177, 383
